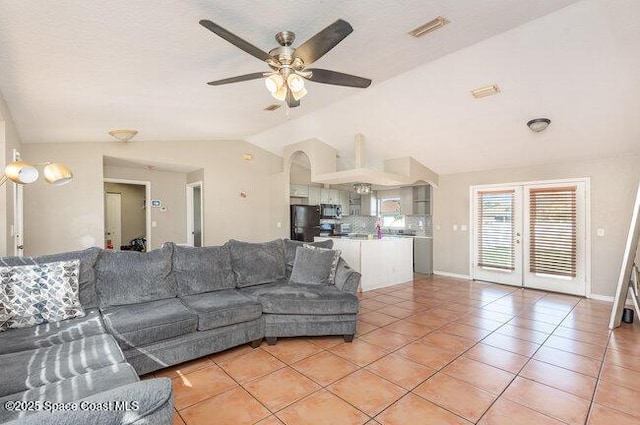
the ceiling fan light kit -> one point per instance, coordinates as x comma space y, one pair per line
288, 65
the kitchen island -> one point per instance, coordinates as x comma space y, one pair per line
381, 262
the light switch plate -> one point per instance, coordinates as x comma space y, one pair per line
455, 227
600, 231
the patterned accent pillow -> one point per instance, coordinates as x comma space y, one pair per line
41, 293
334, 264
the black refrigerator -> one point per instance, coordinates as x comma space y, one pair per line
305, 222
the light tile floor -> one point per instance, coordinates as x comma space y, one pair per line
433, 351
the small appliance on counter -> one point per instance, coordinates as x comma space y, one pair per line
326, 229
305, 222
331, 211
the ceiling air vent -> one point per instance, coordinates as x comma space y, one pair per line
430, 26
485, 91
272, 107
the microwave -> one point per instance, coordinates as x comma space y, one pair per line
328, 211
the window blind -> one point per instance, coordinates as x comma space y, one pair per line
552, 218
496, 229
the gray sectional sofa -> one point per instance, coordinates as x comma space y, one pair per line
147, 311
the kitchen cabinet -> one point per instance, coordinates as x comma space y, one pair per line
368, 204
299, 191
406, 200
423, 255
422, 200
354, 203
329, 196
344, 201
314, 195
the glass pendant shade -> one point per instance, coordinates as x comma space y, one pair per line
362, 188
274, 83
295, 83
281, 93
297, 95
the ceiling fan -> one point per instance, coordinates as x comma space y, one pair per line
288, 64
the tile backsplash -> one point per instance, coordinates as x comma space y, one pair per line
421, 224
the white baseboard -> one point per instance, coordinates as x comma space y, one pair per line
447, 274
608, 299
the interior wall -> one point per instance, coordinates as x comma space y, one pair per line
74, 213
167, 186
132, 214
9, 140
614, 182
299, 174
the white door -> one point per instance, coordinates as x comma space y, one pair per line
531, 235
195, 211
18, 220
112, 221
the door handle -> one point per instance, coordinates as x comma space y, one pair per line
20, 247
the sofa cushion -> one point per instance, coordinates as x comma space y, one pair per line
257, 263
135, 325
87, 277
306, 299
290, 250
41, 293
23, 370
315, 266
130, 277
72, 390
204, 269
49, 334
222, 308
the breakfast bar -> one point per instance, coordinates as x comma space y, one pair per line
381, 262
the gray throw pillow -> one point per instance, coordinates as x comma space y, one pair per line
41, 293
313, 266
291, 246
130, 277
257, 263
86, 280
205, 269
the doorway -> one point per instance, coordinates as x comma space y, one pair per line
18, 215
127, 217
195, 215
533, 235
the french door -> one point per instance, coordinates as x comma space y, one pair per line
531, 235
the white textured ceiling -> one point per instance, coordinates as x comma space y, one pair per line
72, 70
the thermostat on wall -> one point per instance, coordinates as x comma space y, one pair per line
156, 203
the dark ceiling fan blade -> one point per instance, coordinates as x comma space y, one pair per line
337, 78
235, 40
291, 101
315, 47
237, 79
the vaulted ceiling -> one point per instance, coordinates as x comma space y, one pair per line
72, 70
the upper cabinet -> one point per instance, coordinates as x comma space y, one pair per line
329, 196
314, 195
299, 191
344, 202
406, 200
422, 200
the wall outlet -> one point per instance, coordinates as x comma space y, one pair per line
464, 227
279, 225
154, 224
455, 227
600, 231
437, 227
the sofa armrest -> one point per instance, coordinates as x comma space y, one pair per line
148, 402
347, 279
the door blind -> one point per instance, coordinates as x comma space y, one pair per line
496, 229
552, 214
